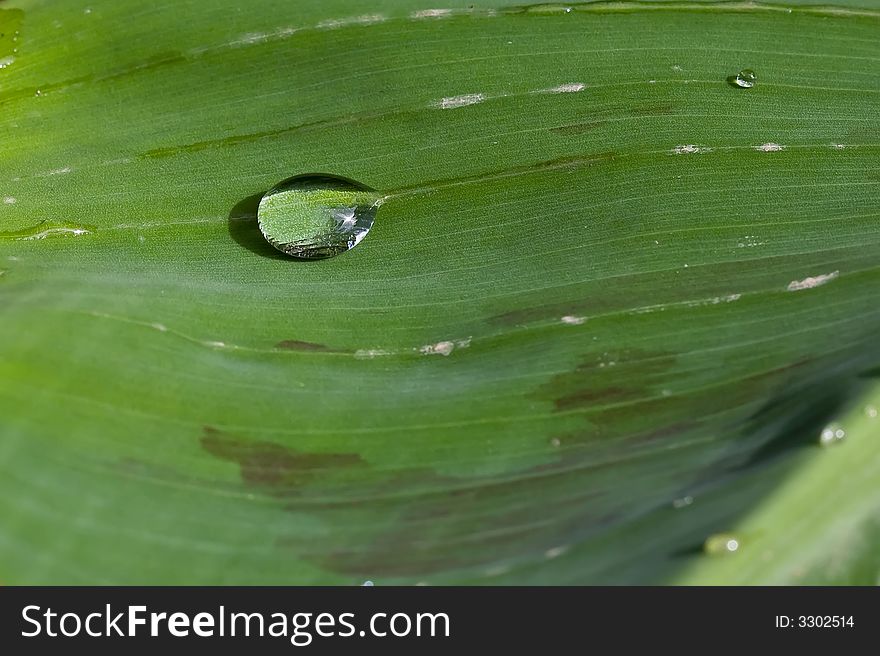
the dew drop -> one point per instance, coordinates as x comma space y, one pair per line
831, 434
721, 544
871, 411
745, 79
683, 502
367, 584
312, 217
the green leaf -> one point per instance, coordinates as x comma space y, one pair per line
605, 311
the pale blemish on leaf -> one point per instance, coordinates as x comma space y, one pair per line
572, 320
812, 281
444, 347
253, 37
9, 200
46, 229
367, 354
62, 171
453, 102
440, 348
730, 298
497, 570
690, 149
750, 241
556, 552
770, 147
367, 19
569, 87
431, 13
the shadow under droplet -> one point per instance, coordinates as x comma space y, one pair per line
243, 228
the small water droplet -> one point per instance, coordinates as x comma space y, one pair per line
721, 544
312, 217
684, 502
367, 584
745, 79
871, 411
831, 434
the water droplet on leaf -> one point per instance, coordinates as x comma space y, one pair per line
831, 434
745, 79
683, 502
721, 544
312, 217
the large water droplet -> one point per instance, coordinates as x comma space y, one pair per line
313, 217
745, 79
721, 544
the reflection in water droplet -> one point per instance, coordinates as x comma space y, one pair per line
367, 584
831, 434
745, 79
720, 544
313, 217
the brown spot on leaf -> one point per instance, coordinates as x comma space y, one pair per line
297, 345
524, 316
273, 466
574, 129
582, 397
600, 117
608, 378
437, 533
